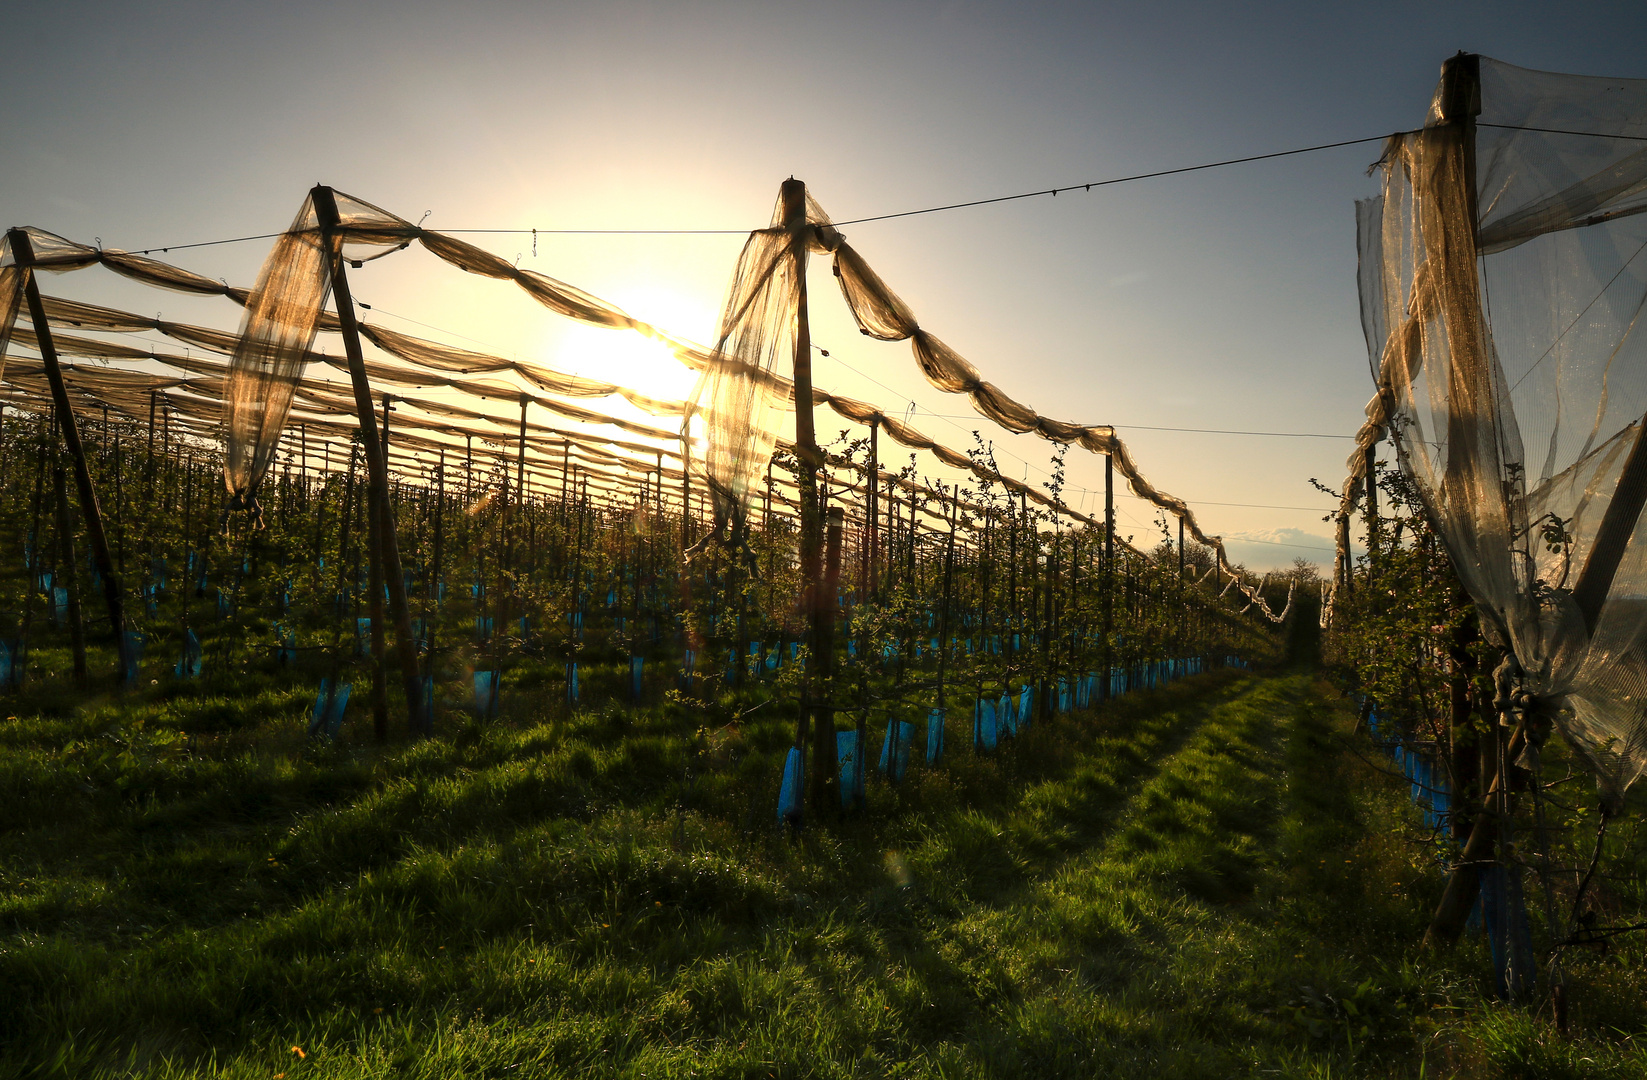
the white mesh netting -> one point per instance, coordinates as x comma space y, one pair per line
1512, 377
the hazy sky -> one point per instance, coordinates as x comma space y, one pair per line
1220, 299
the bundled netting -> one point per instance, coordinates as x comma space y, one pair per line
739, 390
1502, 286
11, 295
736, 393
282, 318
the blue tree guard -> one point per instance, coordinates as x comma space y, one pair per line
327, 717
984, 734
134, 658
571, 683
7, 675
895, 750
188, 667
637, 670
1509, 937
789, 794
850, 760
688, 661
1006, 717
487, 687
934, 735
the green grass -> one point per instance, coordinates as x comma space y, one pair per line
1201, 881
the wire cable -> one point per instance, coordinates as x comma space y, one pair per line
206, 243
1084, 186
1088, 186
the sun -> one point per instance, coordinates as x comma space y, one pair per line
630, 359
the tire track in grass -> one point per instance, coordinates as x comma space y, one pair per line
986, 857
1126, 957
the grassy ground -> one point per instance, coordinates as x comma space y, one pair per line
1202, 881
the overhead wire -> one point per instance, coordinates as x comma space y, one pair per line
1083, 186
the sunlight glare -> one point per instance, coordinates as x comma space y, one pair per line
628, 359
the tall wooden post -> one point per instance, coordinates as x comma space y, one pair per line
23, 253
872, 554
1183, 604
1109, 571
793, 196
435, 596
520, 458
686, 485
826, 799
68, 573
1371, 467
1460, 104
386, 546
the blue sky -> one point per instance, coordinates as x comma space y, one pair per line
1220, 299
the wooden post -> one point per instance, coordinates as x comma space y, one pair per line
1109, 572
520, 458
32, 550
148, 472
435, 576
943, 611
686, 486
793, 196
1459, 105
1370, 460
23, 254
874, 486
68, 574
826, 800
386, 546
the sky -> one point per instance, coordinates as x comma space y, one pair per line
1220, 299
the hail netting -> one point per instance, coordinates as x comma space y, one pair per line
281, 320
286, 309
257, 394
882, 314
429, 364
1512, 371
739, 392
11, 292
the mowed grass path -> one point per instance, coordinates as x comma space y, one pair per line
1194, 882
